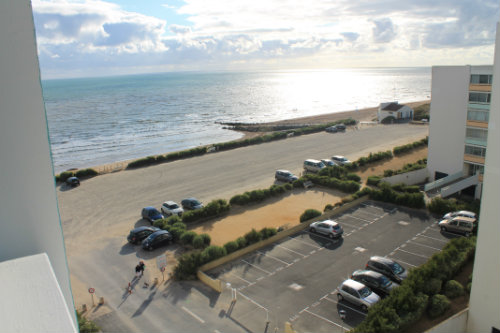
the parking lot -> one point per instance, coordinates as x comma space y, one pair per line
295, 280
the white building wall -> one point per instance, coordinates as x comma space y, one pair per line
484, 303
450, 86
29, 213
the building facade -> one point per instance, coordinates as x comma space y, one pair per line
460, 108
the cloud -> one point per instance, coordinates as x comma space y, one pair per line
384, 31
98, 34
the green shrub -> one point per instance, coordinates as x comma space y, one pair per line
252, 237
353, 177
432, 286
179, 225
242, 242
453, 289
442, 206
86, 173
171, 220
328, 207
240, 199
160, 223
187, 237
373, 180
65, 175
212, 209
187, 265
212, 252
438, 305
421, 112
309, 214
86, 325
267, 232
176, 233
231, 247
150, 160
198, 242
206, 239
408, 147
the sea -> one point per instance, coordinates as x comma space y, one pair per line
96, 121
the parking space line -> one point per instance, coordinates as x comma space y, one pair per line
368, 205
193, 315
318, 235
430, 247
303, 255
252, 301
415, 254
273, 257
239, 277
359, 218
298, 240
364, 211
345, 306
327, 320
404, 262
246, 262
441, 240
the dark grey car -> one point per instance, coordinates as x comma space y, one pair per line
285, 176
376, 281
388, 267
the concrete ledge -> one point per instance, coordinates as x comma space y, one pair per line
279, 236
214, 284
456, 323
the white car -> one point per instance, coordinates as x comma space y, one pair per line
169, 208
327, 227
461, 213
357, 293
340, 160
328, 163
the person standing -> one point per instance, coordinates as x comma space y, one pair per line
142, 266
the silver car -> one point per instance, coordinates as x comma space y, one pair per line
357, 293
169, 208
327, 227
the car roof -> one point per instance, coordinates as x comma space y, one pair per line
145, 227
367, 272
170, 203
463, 218
157, 233
149, 208
330, 222
466, 212
353, 284
381, 259
284, 171
338, 156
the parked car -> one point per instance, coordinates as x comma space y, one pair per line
357, 293
459, 224
340, 160
313, 165
169, 208
388, 267
376, 281
340, 127
285, 176
460, 213
191, 203
327, 227
73, 181
332, 129
328, 163
156, 240
151, 214
138, 234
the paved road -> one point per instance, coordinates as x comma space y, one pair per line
97, 216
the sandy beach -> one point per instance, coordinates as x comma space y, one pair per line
362, 115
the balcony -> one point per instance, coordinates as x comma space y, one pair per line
474, 159
480, 87
477, 123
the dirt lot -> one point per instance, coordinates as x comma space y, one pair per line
287, 210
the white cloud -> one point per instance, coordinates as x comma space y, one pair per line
100, 34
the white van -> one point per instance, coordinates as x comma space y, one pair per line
313, 165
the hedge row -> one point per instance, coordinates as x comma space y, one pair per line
348, 186
82, 173
189, 263
214, 208
254, 127
372, 158
177, 229
252, 141
406, 148
259, 195
151, 160
309, 214
420, 164
442, 206
407, 303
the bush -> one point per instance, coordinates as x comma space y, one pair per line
406, 148
442, 206
187, 237
176, 233
231, 247
267, 232
206, 239
86, 173
242, 242
187, 265
212, 252
373, 180
433, 286
171, 220
65, 175
160, 223
252, 237
179, 225
86, 325
438, 305
198, 242
328, 207
212, 209
453, 289
309, 214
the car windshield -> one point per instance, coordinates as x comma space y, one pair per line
365, 292
396, 268
384, 281
154, 212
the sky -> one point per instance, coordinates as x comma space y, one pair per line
81, 38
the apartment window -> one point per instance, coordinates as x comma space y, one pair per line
479, 97
481, 79
476, 134
478, 115
475, 169
476, 151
